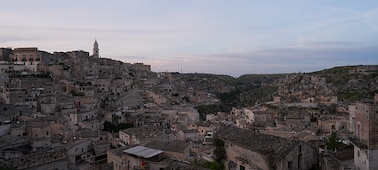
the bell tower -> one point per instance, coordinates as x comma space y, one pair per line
95, 49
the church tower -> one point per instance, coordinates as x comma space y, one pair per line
95, 49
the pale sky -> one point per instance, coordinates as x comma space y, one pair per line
203, 36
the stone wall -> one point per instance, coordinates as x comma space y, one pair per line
238, 156
362, 122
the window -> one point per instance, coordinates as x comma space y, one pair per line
241, 167
299, 161
290, 165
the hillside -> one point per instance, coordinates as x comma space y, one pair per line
352, 82
346, 83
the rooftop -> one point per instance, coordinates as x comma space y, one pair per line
11, 140
145, 132
143, 151
36, 159
257, 142
172, 146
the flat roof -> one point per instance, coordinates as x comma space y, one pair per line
143, 151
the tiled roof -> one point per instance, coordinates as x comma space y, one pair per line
257, 142
172, 146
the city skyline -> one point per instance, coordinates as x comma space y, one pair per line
216, 37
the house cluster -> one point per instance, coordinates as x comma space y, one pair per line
310, 125
63, 110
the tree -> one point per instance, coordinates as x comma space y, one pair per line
108, 126
213, 165
219, 151
333, 142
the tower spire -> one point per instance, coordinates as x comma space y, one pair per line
95, 49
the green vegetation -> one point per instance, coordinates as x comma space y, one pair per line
341, 78
257, 95
335, 70
204, 110
230, 99
348, 83
220, 156
213, 165
219, 151
245, 90
257, 79
110, 127
207, 77
354, 95
333, 142
245, 96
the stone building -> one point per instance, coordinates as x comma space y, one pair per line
25, 54
4, 54
175, 148
141, 67
77, 150
136, 157
38, 130
56, 123
366, 131
78, 54
251, 150
145, 134
329, 123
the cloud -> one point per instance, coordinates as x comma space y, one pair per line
371, 18
269, 60
200, 36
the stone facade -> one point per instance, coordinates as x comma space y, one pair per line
25, 54
121, 160
366, 131
250, 150
145, 134
141, 67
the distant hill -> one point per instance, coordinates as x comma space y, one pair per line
346, 83
352, 82
258, 79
